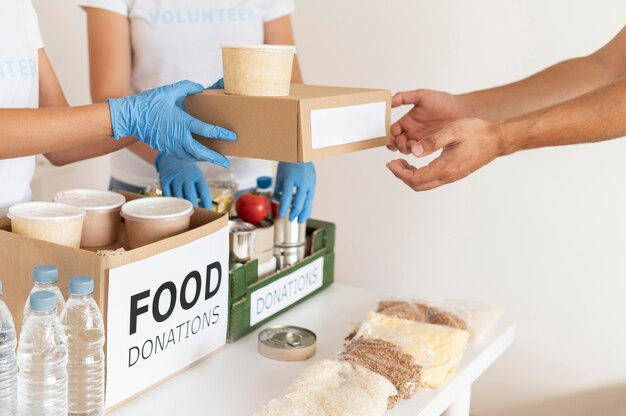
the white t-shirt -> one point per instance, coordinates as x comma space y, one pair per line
174, 40
20, 41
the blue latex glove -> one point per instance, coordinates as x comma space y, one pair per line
302, 177
157, 117
183, 179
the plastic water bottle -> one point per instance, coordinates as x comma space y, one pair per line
42, 360
84, 328
8, 363
264, 186
46, 278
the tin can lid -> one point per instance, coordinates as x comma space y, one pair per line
287, 343
238, 226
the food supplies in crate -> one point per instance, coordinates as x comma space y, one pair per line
256, 298
409, 344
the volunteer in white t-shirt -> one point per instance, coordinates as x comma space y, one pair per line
137, 44
35, 117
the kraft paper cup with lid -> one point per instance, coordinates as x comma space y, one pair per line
152, 219
257, 70
48, 221
102, 224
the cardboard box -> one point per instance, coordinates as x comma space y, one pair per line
165, 305
312, 123
253, 301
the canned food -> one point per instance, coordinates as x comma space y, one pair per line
242, 238
288, 256
264, 236
287, 343
287, 233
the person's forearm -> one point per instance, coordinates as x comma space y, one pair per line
31, 131
51, 96
595, 116
553, 85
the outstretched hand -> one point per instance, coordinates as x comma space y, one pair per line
466, 145
431, 111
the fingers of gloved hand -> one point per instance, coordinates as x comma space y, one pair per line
204, 193
186, 87
280, 182
209, 130
195, 150
298, 203
189, 192
308, 207
166, 187
177, 187
286, 197
217, 85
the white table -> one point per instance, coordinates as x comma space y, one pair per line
238, 381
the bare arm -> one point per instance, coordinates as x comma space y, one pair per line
280, 32
432, 110
51, 96
558, 83
110, 64
471, 143
596, 116
28, 132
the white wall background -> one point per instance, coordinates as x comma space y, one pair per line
541, 233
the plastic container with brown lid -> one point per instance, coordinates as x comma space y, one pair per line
102, 224
152, 219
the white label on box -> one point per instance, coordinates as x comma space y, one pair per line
343, 125
164, 313
285, 291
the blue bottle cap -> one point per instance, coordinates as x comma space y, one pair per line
263, 182
43, 301
81, 285
46, 274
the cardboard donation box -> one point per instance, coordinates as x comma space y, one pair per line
165, 305
311, 123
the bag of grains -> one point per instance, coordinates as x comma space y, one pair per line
479, 319
389, 361
333, 388
437, 349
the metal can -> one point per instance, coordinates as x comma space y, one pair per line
287, 343
242, 241
287, 233
288, 256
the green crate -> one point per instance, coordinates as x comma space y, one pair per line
244, 280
